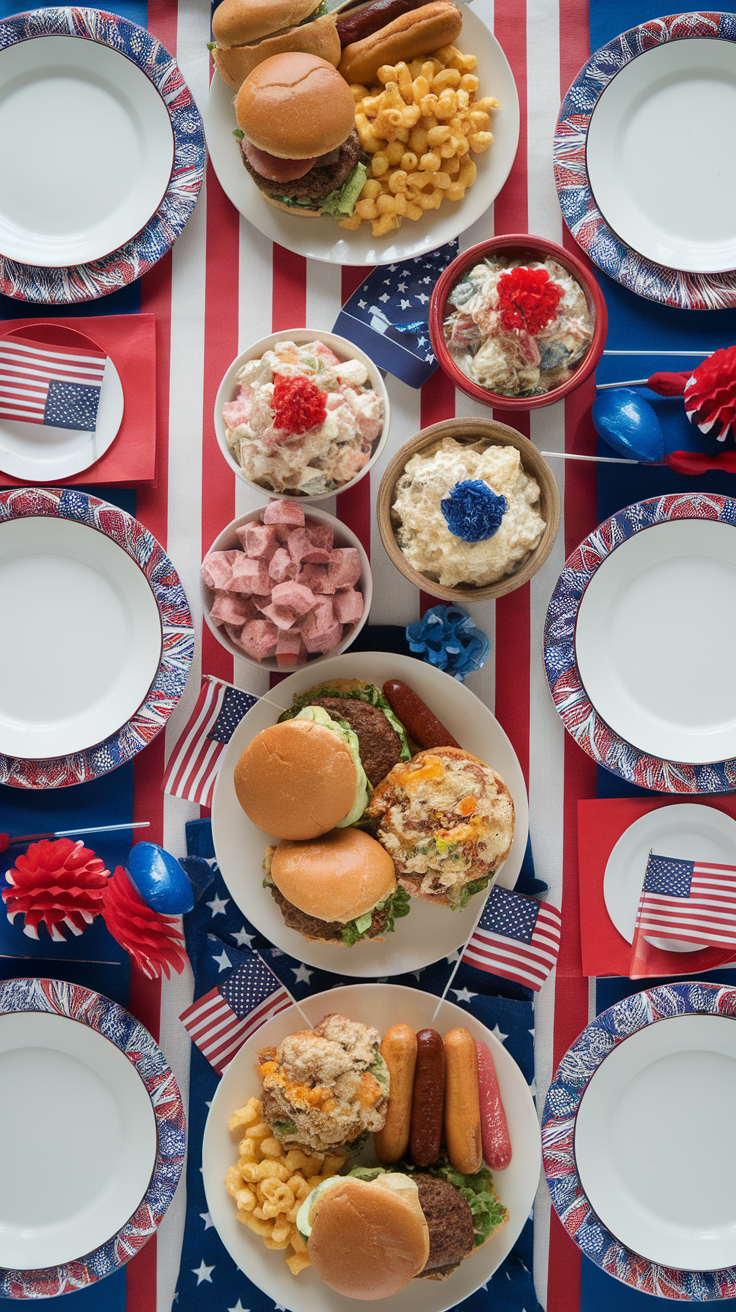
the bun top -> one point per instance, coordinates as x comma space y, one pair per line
295, 106
296, 780
235, 22
339, 876
369, 1239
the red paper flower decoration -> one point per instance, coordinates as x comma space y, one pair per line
710, 394
59, 883
527, 299
152, 940
298, 405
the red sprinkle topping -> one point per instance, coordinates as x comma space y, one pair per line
528, 299
298, 405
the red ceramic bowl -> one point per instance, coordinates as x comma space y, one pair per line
517, 244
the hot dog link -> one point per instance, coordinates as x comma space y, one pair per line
359, 23
420, 723
429, 1099
462, 1103
399, 1051
494, 1130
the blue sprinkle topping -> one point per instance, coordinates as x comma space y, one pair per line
473, 510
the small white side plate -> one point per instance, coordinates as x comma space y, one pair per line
655, 1142
655, 637
86, 150
82, 637
688, 832
77, 1140
40, 453
660, 162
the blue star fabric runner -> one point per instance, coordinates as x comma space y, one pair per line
218, 937
388, 316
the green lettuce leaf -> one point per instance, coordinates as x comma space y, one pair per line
341, 202
370, 694
477, 1190
363, 789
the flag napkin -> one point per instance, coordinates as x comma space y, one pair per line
388, 316
688, 901
192, 767
517, 937
47, 384
222, 1021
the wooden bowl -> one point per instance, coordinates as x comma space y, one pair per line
487, 432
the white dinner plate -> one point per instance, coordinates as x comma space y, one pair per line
655, 636
322, 239
108, 156
688, 832
379, 1005
655, 1142
428, 932
83, 637
77, 1139
655, 121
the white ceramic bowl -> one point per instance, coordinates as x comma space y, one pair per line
342, 348
344, 537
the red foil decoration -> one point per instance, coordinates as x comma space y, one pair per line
710, 394
152, 940
298, 405
60, 883
527, 299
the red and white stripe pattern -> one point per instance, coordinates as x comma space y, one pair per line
517, 937
688, 901
27, 367
195, 760
226, 1017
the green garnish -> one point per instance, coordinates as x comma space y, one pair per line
237, 133
477, 1190
284, 1127
468, 891
342, 200
373, 696
398, 905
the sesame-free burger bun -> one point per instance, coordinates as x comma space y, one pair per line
320, 38
236, 22
369, 1239
296, 780
340, 876
295, 106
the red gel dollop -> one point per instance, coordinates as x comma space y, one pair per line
528, 299
298, 405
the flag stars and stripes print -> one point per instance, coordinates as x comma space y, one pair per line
44, 385
225, 1018
691, 901
195, 759
517, 937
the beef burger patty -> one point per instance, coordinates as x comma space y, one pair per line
327, 930
323, 178
449, 1221
380, 745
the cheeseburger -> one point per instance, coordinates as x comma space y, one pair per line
336, 889
248, 31
296, 123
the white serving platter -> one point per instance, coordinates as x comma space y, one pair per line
428, 932
322, 238
379, 1005
107, 159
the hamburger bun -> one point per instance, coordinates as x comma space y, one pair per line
295, 106
235, 63
369, 1239
237, 22
296, 780
418, 32
340, 876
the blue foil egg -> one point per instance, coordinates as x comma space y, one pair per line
629, 424
160, 879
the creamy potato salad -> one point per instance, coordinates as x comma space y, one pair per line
421, 527
518, 327
303, 421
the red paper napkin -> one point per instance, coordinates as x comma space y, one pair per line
604, 951
130, 340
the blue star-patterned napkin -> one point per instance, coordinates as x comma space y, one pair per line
217, 935
388, 316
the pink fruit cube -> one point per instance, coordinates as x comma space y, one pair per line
281, 616
233, 632
321, 535
284, 512
250, 575
217, 568
232, 608
343, 569
315, 577
295, 596
290, 649
302, 550
258, 540
348, 606
258, 638
282, 567
320, 641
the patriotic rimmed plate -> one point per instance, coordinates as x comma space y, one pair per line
637, 663
118, 207
660, 1067
101, 642
120, 1116
324, 240
378, 1005
427, 933
589, 227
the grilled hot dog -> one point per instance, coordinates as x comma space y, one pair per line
494, 1130
399, 1051
462, 1103
367, 19
429, 1099
420, 723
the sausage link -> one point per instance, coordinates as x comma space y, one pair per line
494, 1130
420, 723
429, 1099
462, 1103
399, 1051
359, 23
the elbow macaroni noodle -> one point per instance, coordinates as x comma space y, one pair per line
419, 126
270, 1185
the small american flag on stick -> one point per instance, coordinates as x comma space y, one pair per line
195, 760
516, 937
222, 1021
692, 901
50, 385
